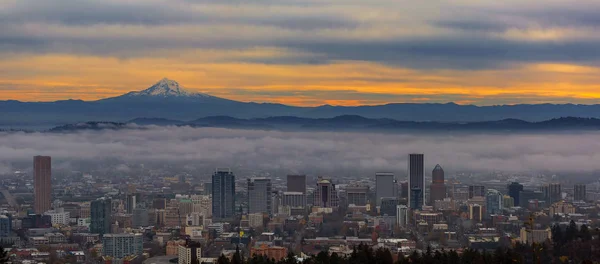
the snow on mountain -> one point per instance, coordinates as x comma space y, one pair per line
166, 88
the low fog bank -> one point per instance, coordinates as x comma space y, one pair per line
306, 152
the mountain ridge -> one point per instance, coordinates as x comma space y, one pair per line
169, 100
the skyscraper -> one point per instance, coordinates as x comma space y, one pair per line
476, 191
388, 206
296, 183
579, 192
514, 191
357, 194
385, 186
325, 194
416, 180
42, 183
100, 214
493, 202
223, 191
131, 202
259, 196
437, 189
402, 215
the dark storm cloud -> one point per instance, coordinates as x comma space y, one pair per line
407, 33
315, 151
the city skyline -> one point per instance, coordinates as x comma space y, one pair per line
314, 53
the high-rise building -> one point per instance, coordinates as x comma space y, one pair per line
552, 192
385, 186
140, 217
514, 190
293, 199
404, 190
100, 214
416, 180
508, 201
527, 195
475, 212
296, 183
325, 194
476, 191
579, 192
190, 253
42, 183
357, 194
402, 215
5, 225
131, 202
259, 196
388, 206
437, 189
119, 246
223, 190
494, 202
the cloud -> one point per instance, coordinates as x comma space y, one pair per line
468, 34
310, 152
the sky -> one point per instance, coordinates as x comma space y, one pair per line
324, 153
312, 52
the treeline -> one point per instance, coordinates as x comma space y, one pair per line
572, 245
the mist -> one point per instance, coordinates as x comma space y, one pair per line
308, 152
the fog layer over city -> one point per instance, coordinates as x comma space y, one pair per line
308, 151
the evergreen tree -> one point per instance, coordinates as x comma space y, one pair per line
223, 260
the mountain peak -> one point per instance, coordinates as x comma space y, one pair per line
167, 88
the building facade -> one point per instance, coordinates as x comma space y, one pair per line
101, 215
122, 245
579, 192
385, 186
357, 194
223, 190
42, 184
437, 189
325, 194
296, 183
259, 196
416, 180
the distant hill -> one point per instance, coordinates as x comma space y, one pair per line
348, 123
167, 100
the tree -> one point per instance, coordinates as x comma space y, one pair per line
3, 255
223, 260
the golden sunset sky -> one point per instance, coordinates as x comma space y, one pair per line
339, 52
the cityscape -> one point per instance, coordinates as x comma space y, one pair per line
226, 218
299, 132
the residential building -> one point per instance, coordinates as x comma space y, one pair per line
122, 245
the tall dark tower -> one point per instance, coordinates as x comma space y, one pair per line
42, 183
437, 189
514, 191
416, 180
223, 194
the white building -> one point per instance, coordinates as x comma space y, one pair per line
535, 236
255, 220
59, 216
189, 254
122, 245
402, 215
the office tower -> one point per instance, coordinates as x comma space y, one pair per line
514, 189
42, 183
119, 246
404, 190
100, 214
437, 189
259, 196
296, 183
476, 191
325, 194
402, 216
131, 202
293, 199
388, 206
579, 192
159, 203
508, 202
475, 212
385, 186
416, 180
357, 194
140, 217
190, 253
223, 190
5, 225
527, 195
494, 202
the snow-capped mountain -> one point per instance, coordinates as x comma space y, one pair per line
166, 88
